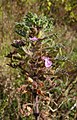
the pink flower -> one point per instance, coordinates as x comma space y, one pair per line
33, 38
48, 63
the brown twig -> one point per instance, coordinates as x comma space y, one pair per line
36, 107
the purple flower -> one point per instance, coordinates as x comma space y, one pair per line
48, 63
33, 38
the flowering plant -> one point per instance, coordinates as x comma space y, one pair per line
32, 57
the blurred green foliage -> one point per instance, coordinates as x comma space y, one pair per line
62, 10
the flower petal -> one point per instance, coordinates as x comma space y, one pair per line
33, 39
48, 63
45, 58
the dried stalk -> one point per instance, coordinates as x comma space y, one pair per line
36, 107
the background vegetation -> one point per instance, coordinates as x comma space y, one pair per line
63, 96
